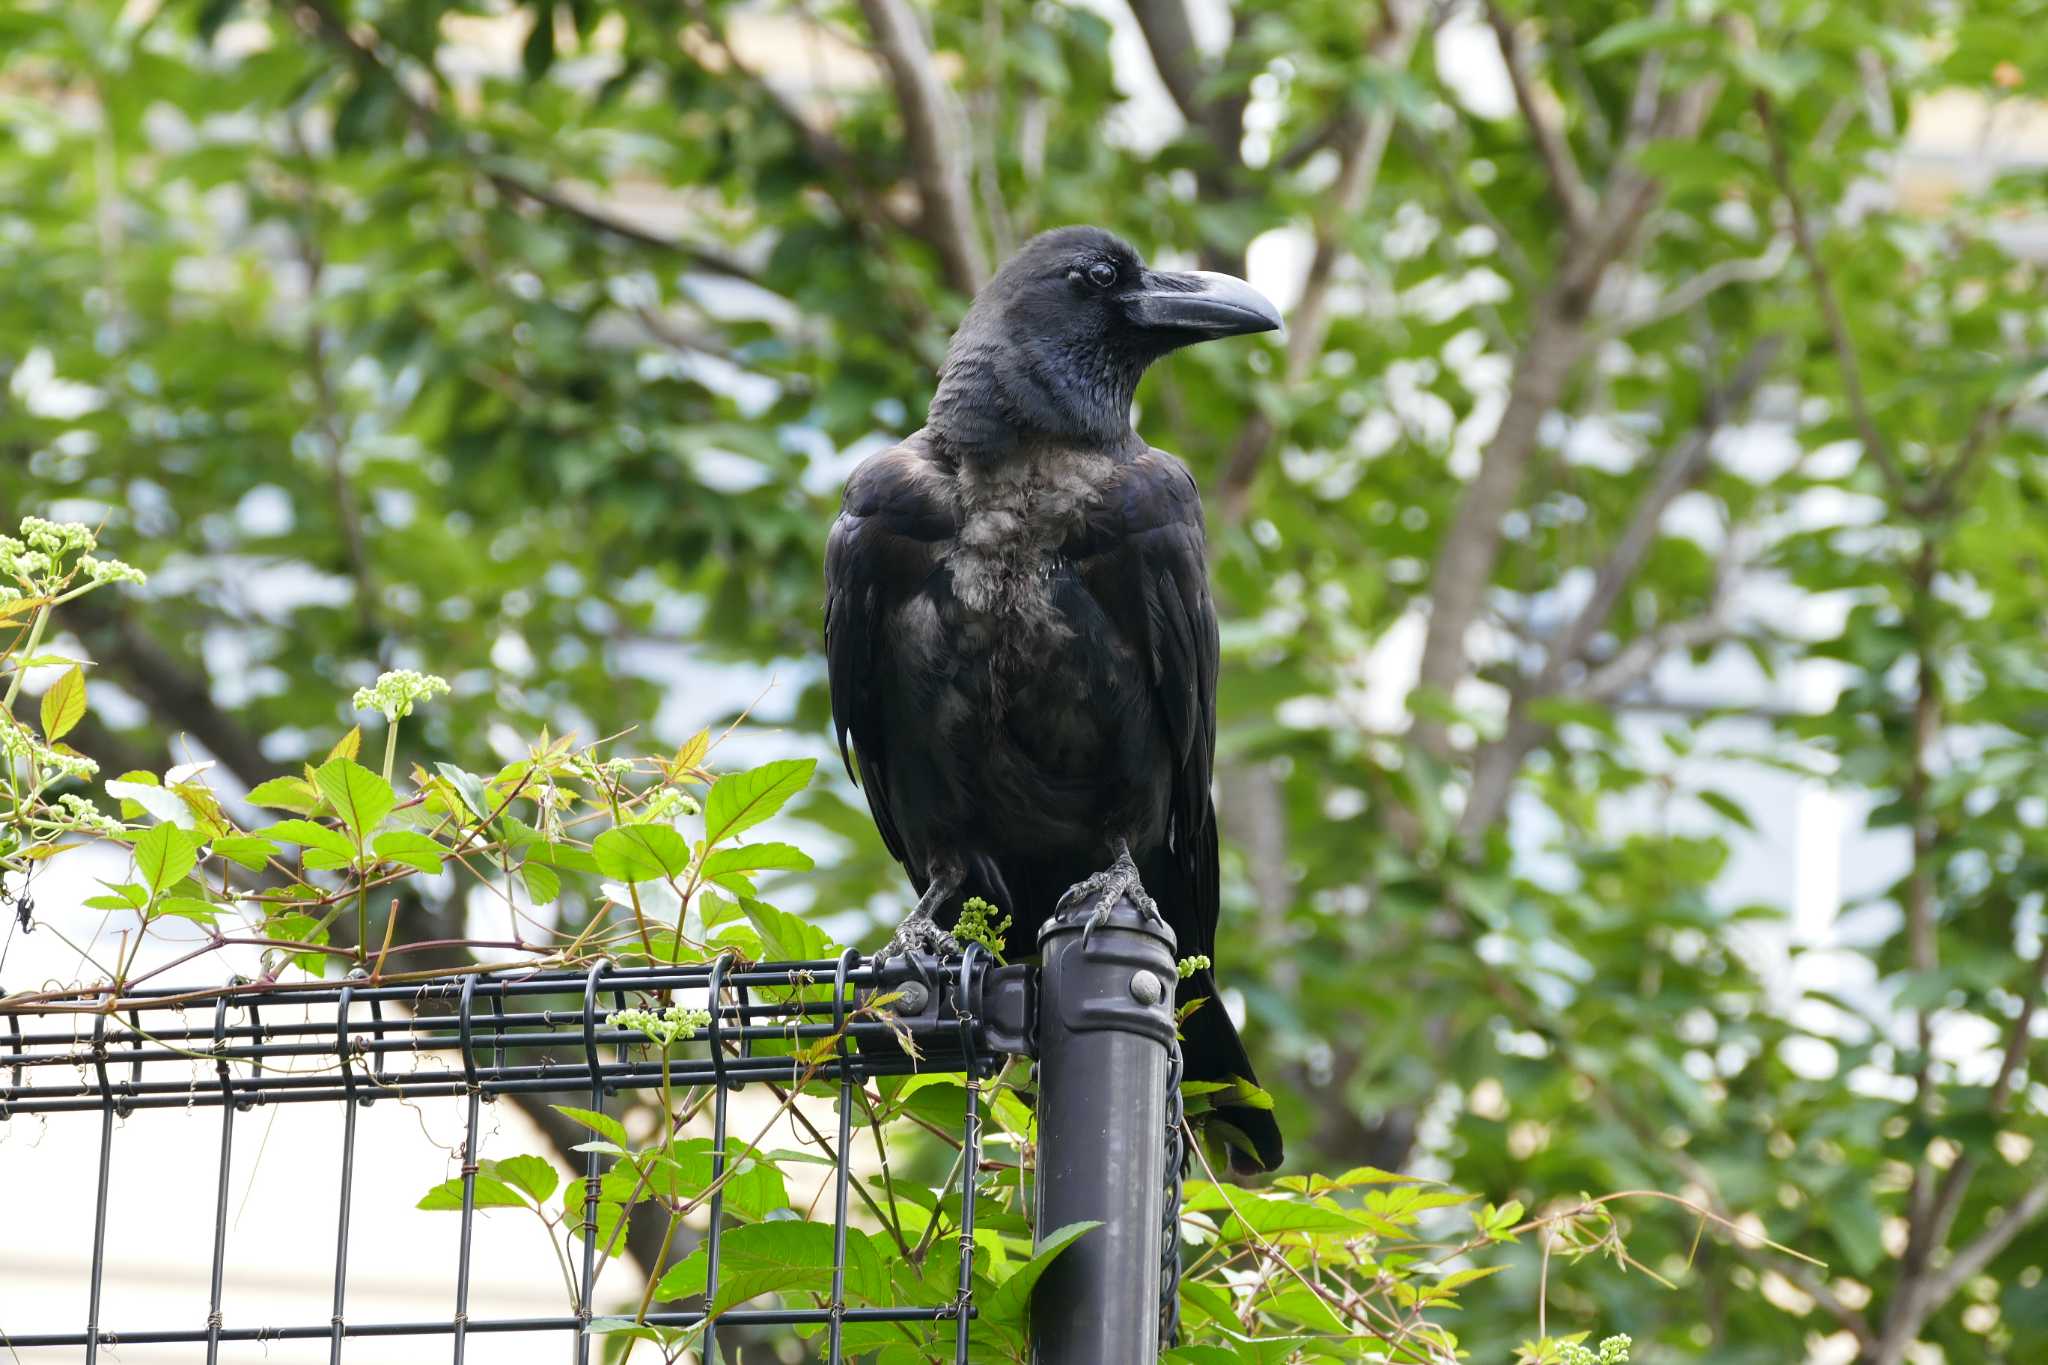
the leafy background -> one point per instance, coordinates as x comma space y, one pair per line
1653, 467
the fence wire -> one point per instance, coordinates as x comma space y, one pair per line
509, 1032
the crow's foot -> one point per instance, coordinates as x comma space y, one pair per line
1115, 883
920, 933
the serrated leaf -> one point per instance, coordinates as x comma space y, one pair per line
533, 1174
739, 859
250, 850
126, 896
310, 836
166, 806
360, 797
414, 850
739, 801
491, 1193
163, 855
469, 787
641, 853
285, 793
604, 1125
349, 745
189, 907
64, 704
1013, 1294
784, 937
779, 1257
543, 883
691, 754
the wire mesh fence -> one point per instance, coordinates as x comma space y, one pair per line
352, 1043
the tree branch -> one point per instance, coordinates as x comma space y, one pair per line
1469, 203
1830, 308
327, 24
1680, 470
1170, 37
1980, 1252
1553, 147
1470, 550
938, 149
1364, 151
174, 693
1692, 291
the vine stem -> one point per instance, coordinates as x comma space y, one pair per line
35, 638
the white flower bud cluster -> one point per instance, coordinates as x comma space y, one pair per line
397, 692
17, 741
35, 562
668, 804
666, 1027
81, 813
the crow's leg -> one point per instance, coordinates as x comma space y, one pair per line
1107, 887
920, 931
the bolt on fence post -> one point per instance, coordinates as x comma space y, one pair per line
1105, 1037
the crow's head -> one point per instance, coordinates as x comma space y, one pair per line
1055, 344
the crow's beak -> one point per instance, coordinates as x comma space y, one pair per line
1199, 305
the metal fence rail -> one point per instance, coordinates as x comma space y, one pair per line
1107, 1110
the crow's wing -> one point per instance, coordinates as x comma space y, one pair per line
1151, 574
893, 525
1152, 577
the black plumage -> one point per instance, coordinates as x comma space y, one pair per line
1019, 631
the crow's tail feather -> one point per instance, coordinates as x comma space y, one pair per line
1212, 1051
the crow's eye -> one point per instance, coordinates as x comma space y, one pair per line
1102, 274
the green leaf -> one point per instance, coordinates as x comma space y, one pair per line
543, 883
311, 836
1727, 808
1780, 74
127, 896
491, 1193
64, 704
641, 853
536, 1175
414, 850
1013, 1293
784, 937
469, 787
361, 798
721, 863
286, 793
250, 850
190, 907
1632, 34
739, 801
780, 1257
349, 745
164, 854
604, 1125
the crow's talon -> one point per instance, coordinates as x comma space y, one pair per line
1114, 884
919, 934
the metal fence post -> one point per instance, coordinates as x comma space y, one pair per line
1105, 1040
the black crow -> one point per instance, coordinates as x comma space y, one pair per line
1018, 625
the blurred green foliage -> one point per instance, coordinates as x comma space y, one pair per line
532, 353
